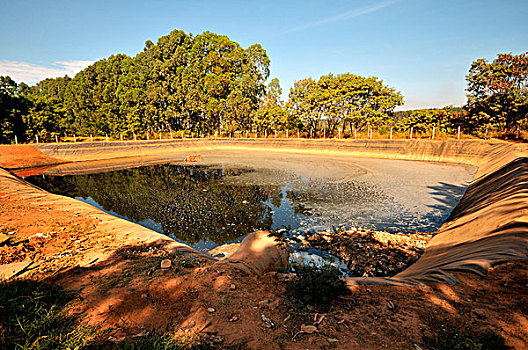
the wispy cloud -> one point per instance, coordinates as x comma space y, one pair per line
32, 73
360, 11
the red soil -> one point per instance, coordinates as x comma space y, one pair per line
24, 156
119, 296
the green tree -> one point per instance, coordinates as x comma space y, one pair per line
271, 114
497, 92
14, 105
343, 98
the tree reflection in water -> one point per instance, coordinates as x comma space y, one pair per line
210, 205
192, 203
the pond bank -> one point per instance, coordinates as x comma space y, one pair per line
488, 227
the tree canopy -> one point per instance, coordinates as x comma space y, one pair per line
498, 92
200, 83
342, 98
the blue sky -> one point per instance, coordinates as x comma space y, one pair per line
423, 48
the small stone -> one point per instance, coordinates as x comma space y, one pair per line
332, 340
166, 263
232, 287
211, 310
233, 318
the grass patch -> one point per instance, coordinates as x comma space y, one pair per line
169, 341
449, 336
33, 316
317, 285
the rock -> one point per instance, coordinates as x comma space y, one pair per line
332, 340
233, 318
211, 310
166, 263
232, 287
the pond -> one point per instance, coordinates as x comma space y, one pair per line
226, 197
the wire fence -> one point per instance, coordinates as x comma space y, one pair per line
354, 134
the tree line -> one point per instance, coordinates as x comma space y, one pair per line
208, 84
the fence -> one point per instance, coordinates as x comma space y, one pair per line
369, 133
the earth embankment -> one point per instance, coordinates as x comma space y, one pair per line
488, 226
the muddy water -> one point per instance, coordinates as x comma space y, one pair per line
230, 194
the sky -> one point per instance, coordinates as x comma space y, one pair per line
423, 48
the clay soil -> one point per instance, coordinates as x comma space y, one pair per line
125, 295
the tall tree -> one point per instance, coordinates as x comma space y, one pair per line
343, 98
14, 105
498, 92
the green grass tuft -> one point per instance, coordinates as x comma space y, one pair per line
33, 316
317, 285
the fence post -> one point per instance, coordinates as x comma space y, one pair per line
148, 136
246, 134
355, 133
171, 135
432, 137
36, 137
105, 135
391, 134
135, 137
286, 133
56, 139
411, 132
339, 131
74, 138
324, 133
16, 140
91, 138
310, 133
458, 133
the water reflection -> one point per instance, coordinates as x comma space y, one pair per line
206, 206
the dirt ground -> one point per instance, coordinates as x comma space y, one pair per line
125, 295
128, 296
